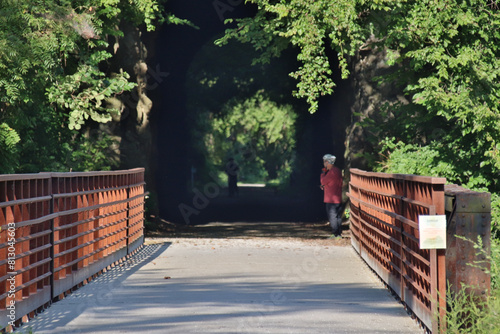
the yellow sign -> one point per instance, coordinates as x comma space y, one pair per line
432, 231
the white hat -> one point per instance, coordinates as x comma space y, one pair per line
329, 158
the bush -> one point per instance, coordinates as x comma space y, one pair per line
465, 313
495, 216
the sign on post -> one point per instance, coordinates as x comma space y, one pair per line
432, 231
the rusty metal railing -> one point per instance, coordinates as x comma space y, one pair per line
384, 210
60, 229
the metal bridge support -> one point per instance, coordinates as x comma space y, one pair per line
468, 215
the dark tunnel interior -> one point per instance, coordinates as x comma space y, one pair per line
174, 49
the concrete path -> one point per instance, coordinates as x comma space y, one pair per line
255, 285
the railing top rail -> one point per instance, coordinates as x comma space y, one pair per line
406, 177
97, 173
452, 189
30, 176
48, 175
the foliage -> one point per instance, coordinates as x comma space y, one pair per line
307, 25
495, 265
218, 80
467, 314
495, 215
437, 159
54, 76
8, 140
444, 57
98, 145
455, 53
464, 315
258, 133
450, 62
84, 93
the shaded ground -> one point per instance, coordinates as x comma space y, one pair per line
316, 232
242, 276
222, 286
255, 212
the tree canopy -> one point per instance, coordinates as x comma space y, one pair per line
55, 77
445, 57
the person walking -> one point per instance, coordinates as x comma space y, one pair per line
331, 184
232, 169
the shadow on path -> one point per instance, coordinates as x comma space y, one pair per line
254, 212
250, 204
232, 286
97, 293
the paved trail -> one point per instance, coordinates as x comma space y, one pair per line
235, 285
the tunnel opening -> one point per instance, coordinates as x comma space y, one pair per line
187, 189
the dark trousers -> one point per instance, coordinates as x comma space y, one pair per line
334, 213
232, 185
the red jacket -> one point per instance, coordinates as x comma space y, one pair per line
332, 182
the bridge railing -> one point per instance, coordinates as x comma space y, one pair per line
60, 229
384, 210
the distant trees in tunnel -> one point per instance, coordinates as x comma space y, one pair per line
242, 110
257, 132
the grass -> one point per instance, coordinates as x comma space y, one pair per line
468, 314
